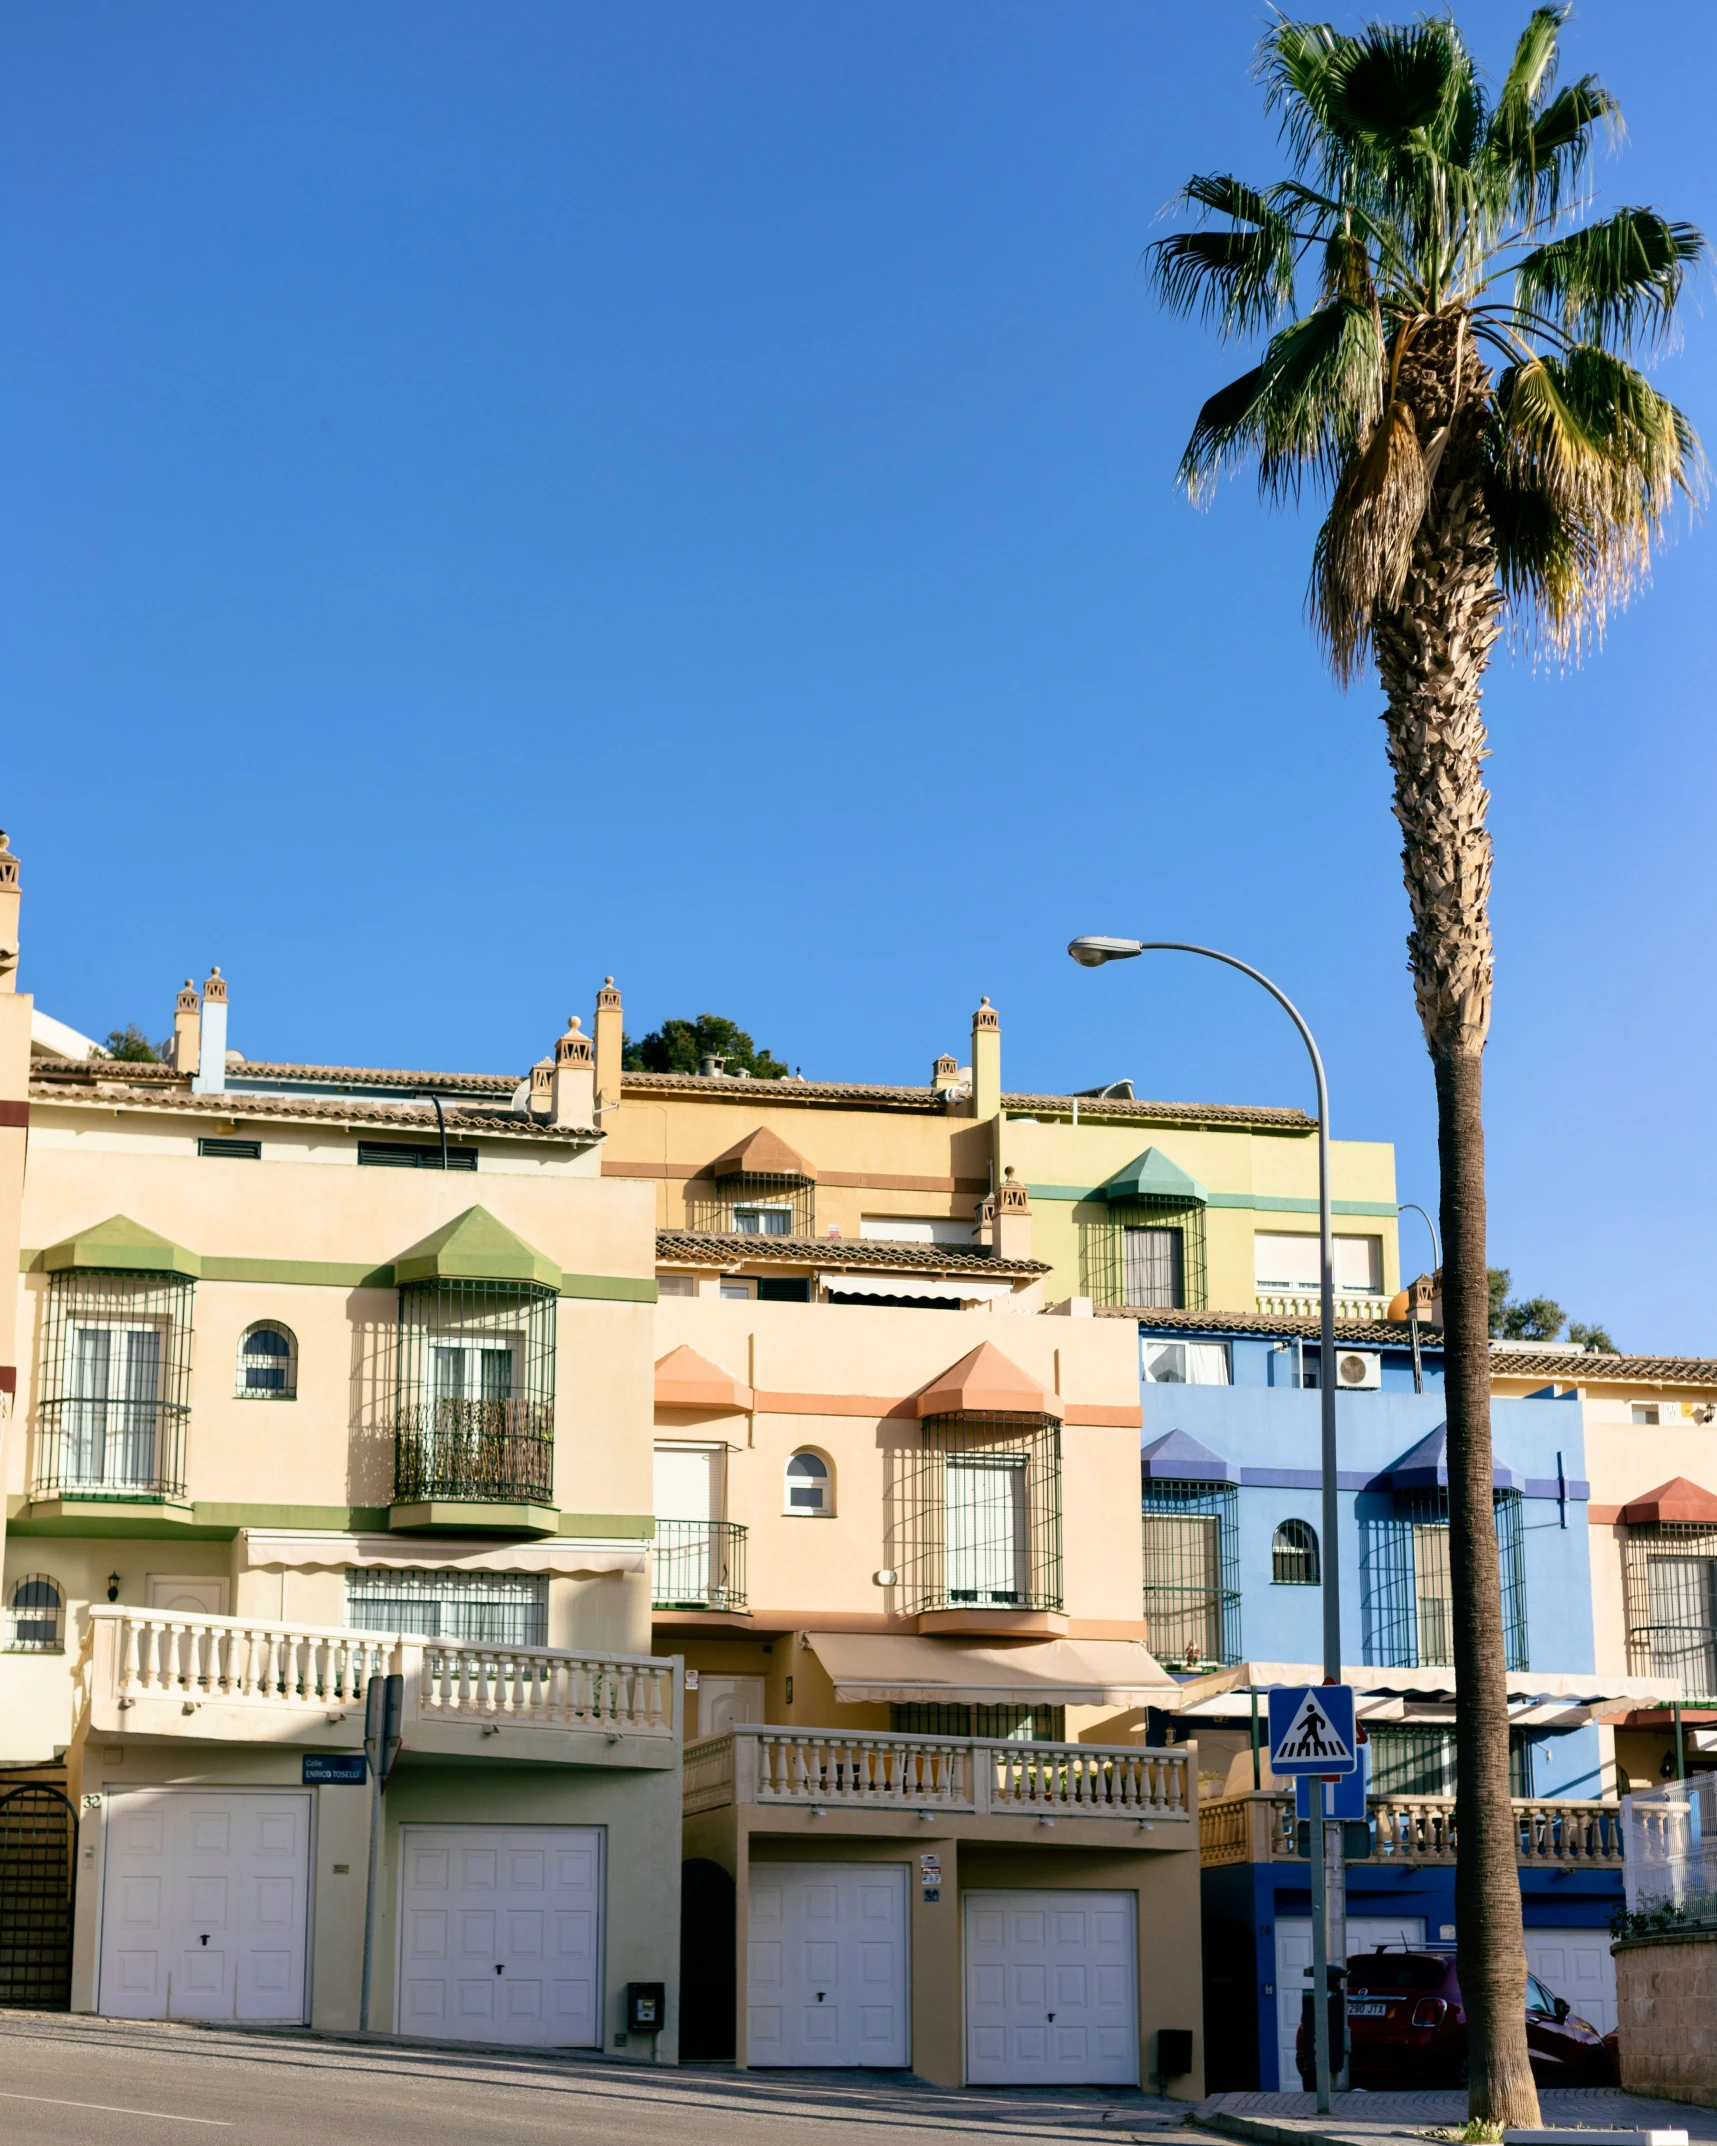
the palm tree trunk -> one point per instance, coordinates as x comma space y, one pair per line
1432, 649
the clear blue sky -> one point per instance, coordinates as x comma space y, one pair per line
496, 495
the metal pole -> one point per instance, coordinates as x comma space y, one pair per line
373, 1724
1315, 1838
1680, 1746
1257, 1775
1335, 1910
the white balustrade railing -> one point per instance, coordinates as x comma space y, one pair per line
1297, 1304
821, 1768
1419, 1829
547, 1687
250, 1661
135, 1658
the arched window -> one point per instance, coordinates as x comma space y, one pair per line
268, 1363
35, 1616
1294, 1555
810, 1488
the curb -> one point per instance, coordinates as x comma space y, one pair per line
1262, 2130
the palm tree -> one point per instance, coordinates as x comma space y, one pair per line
1458, 384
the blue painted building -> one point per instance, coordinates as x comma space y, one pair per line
1234, 1554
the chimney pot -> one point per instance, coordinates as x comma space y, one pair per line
211, 1073
610, 1046
185, 1023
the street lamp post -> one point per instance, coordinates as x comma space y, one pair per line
1091, 952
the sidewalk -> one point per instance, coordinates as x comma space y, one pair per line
1368, 2119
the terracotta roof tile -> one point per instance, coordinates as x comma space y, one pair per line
1606, 1370
314, 1110
692, 1248
1348, 1332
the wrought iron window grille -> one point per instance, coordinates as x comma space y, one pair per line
115, 1413
38, 1860
1192, 1573
1671, 1595
474, 1419
1294, 1560
267, 1363
480, 1609
1011, 1724
1146, 1253
754, 1203
35, 1620
698, 1565
982, 1514
1406, 1589
1411, 1759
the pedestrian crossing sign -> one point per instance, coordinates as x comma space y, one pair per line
1311, 1730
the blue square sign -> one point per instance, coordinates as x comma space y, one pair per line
1311, 1730
1344, 1797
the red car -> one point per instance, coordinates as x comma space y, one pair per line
1407, 2027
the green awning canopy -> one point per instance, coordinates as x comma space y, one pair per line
475, 1247
119, 1244
1151, 1176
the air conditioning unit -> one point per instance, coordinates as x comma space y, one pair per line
1361, 1370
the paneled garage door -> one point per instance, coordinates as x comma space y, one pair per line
499, 1934
1051, 1989
1576, 1964
826, 1964
205, 1900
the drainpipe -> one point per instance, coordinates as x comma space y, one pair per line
425, 1095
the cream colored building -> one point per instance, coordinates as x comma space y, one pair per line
325, 1375
1650, 1426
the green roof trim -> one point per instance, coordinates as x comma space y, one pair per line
1151, 1176
121, 1245
476, 1247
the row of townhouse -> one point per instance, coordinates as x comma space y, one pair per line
878, 1684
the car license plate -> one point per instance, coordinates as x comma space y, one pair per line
1368, 2011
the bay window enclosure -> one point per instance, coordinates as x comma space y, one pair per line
116, 1377
1672, 1604
475, 1416
1408, 1590
1145, 1253
1192, 1573
983, 1514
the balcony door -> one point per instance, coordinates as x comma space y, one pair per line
988, 1534
115, 1412
690, 1552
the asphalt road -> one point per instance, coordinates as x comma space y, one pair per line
98, 2082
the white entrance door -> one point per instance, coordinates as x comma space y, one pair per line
1576, 1964
826, 1964
197, 1594
499, 1928
1051, 1994
724, 1700
1294, 1958
205, 1901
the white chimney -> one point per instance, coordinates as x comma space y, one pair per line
211, 1074
574, 1077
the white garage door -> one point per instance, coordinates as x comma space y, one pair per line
1576, 1964
1051, 1993
826, 1964
499, 1929
205, 1899
1294, 1956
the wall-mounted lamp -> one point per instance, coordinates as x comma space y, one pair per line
113, 1587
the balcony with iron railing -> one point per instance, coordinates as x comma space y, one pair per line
698, 1565
452, 1455
125, 1452
280, 1682
829, 1773
1413, 1831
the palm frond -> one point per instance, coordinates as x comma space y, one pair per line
1241, 279
1537, 160
1612, 280
1295, 63
1366, 544
1403, 86
1587, 437
1299, 411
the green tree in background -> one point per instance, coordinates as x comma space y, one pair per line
131, 1043
1595, 1338
1449, 345
1538, 1318
679, 1046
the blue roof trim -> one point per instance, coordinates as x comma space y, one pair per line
1176, 1458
